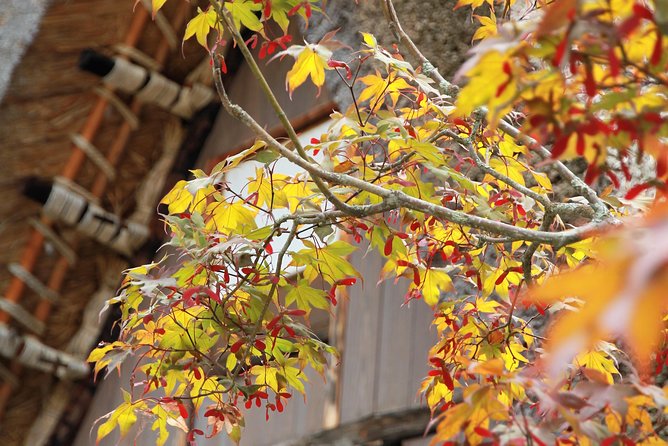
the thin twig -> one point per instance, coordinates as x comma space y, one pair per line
542, 199
267, 299
224, 15
395, 198
600, 209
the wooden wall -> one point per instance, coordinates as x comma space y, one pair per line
385, 343
384, 359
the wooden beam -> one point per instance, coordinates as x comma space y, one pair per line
383, 427
300, 123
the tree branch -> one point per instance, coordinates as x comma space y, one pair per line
397, 198
542, 199
449, 89
600, 209
224, 15
267, 299
428, 68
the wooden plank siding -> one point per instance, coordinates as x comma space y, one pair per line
423, 337
385, 346
384, 360
362, 341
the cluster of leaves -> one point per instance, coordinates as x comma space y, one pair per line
454, 189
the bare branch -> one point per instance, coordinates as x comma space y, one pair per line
398, 198
224, 15
449, 89
542, 199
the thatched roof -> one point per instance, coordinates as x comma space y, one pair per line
19, 21
48, 100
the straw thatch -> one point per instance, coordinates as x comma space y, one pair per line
47, 101
19, 20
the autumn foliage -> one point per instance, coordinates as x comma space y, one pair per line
547, 282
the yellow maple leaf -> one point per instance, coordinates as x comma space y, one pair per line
492, 82
200, 26
599, 361
243, 13
623, 295
236, 218
379, 87
311, 61
156, 5
432, 282
123, 417
474, 3
487, 27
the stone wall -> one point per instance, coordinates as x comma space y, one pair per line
443, 35
19, 21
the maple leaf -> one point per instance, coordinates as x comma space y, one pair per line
329, 262
155, 5
556, 16
474, 3
306, 297
492, 82
200, 26
433, 282
623, 292
378, 87
243, 13
487, 27
123, 417
281, 10
267, 376
600, 361
232, 218
160, 424
293, 375
311, 61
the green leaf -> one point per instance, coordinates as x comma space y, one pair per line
243, 13
330, 261
306, 297
200, 26
294, 376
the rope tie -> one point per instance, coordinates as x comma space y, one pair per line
149, 86
94, 154
151, 187
192, 99
29, 351
93, 221
33, 282
88, 332
121, 108
74, 187
138, 56
125, 76
58, 243
159, 91
47, 359
23, 317
64, 205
